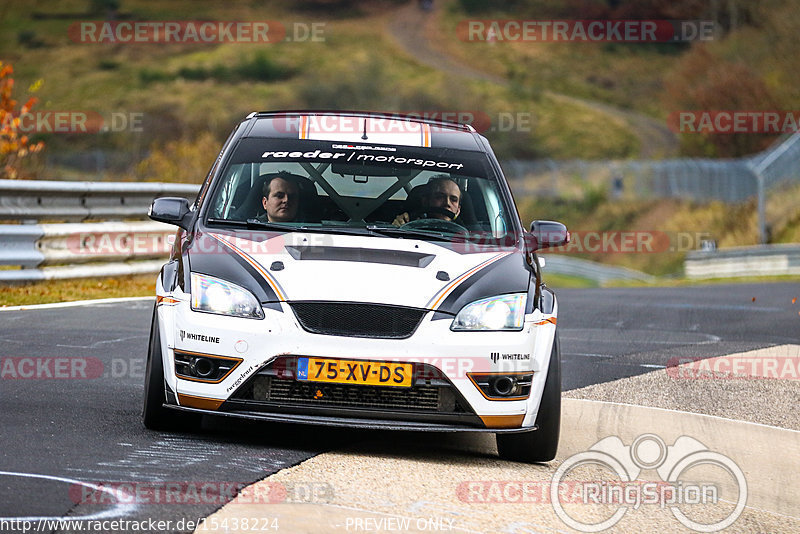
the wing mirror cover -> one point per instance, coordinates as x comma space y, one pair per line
171, 210
549, 234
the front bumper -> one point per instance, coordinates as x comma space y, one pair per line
364, 423
260, 344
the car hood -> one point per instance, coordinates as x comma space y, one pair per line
306, 266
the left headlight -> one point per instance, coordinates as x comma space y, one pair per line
503, 312
213, 295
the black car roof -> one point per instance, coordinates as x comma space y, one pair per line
287, 124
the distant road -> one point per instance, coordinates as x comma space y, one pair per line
412, 29
89, 430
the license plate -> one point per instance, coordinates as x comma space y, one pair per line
355, 372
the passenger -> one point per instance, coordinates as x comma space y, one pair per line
441, 200
281, 198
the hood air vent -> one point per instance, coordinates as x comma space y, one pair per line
367, 255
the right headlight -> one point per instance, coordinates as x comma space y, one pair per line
503, 312
213, 295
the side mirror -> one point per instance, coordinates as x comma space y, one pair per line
549, 234
171, 210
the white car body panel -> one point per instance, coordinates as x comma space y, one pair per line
279, 333
359, 281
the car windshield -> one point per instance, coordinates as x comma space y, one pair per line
393, 191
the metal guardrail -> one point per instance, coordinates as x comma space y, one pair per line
764, 260
69, 250
72, 250
35, 200
598, 272
76, 250
60, 251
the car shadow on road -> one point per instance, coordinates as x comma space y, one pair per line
328, 438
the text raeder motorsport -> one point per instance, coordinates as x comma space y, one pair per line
345, 156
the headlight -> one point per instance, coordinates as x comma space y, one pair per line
213, 295
503, 312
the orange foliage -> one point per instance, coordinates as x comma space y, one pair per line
13, 146
704, 81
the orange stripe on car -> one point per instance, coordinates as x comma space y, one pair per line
201, 403
455, 283
253, 263
426, 135
502, 421
549, 320
166, 300
304, 127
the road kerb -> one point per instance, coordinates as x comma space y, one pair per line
767, 456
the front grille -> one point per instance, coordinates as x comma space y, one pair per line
357, 320
276, 384
425, 398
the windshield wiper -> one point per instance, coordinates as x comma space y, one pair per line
226, 222
255, 224
251, 224
344, 230
390, 231
394, 231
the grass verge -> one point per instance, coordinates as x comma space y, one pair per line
687, 282
141, 285
144, 286
565, 281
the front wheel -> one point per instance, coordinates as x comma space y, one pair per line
154, 415
539, 445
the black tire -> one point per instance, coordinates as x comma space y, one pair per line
154, 415
539, 445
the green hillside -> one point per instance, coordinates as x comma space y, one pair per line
556, 100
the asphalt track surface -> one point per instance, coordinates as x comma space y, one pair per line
70, 432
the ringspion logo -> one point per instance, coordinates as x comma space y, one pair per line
674, 465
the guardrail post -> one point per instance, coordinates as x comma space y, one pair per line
762, 210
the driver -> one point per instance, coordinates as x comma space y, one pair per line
441, 200
280, 198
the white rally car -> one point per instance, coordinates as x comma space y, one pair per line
357, 269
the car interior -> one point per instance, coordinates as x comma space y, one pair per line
338, 194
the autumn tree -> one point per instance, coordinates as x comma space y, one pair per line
14, 146
707, 82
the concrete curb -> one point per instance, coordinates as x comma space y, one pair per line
767, 456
